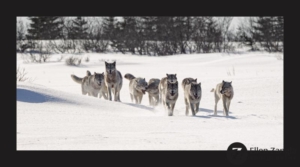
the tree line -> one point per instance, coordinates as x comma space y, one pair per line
148, 35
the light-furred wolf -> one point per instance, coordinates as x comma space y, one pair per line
186, 81
92, 84
170, 96
163, 83
137, 87
153, 91
224, 91
113, 81
192, 95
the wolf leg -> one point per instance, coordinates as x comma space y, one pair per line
150, 100
172, 109
109, 92
228, 105
192, 108
140, 99
104, 95
197, 107
225, 111
186, 107
216, 103
131, 96
136, 99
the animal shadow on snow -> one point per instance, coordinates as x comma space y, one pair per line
220, 113
140, 106
29, 96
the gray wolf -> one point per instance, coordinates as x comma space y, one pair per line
137, 87
186, 81
113, 81
163, 83
92, 84
192, 96
153, 91
224, 91
170, 96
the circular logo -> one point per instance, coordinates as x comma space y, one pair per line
237, 153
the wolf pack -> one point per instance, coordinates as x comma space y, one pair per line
160, 91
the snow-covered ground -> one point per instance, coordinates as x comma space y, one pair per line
52, 114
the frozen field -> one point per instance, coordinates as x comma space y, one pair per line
52, 114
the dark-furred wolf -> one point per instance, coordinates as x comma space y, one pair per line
170, 96
192, 95
224, 91
92, 84
163, 83
113, 81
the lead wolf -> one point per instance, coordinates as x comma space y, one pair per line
137, 87
113, 81
170, 96
224, 91
153, 91
192, 95
163, 83
92, 84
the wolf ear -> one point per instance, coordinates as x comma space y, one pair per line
114, 62
230, 82
167, 75
199, 84
175, 75
103, 73
196, 79
223, 81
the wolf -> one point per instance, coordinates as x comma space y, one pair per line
92, 84
163, 83
186, 81
153, 91
224, 91
113, 81
192, 96
170, 96
137, 87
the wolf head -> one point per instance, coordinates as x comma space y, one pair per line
226, 87
171, 78
110, 67
195, 90
141, 85
99, 78
191, 81
172, 88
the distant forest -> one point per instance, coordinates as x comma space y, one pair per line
153, 36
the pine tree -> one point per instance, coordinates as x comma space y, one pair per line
78, 29
45, 27
269, 32
109, 27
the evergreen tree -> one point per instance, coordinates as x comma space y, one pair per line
78, 29
45, 27
109, 27
269, 32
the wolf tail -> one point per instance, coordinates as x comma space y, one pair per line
129, 76
76, 79
212, 90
